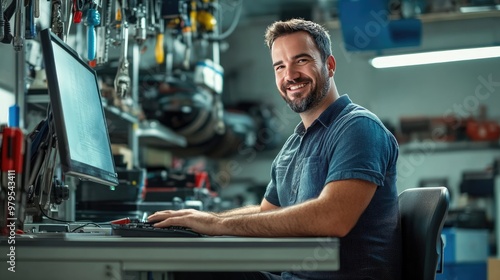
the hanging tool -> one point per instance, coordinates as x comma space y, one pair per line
103, 33
19, 26
77, 11
122, 79
7, 15
93, 19
57, 24
160, 42
30, 28
186, 28
158, 25
118, 27
2, 22
37, 8
140, 24
193, 17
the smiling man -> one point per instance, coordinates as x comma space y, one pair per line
334, 176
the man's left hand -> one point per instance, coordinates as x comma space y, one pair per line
201, 222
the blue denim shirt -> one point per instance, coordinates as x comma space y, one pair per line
346, 142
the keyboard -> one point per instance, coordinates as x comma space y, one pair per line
144, 229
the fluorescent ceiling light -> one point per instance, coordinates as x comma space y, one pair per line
434, 57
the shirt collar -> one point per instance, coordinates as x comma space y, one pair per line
329, 115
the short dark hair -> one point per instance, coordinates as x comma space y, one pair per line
316, 31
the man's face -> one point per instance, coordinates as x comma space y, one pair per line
301, 75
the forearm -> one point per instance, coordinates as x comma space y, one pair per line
251, 209
334, 213
306, 219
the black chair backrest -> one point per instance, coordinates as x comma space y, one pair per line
423, 212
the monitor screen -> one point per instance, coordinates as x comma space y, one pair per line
78, 115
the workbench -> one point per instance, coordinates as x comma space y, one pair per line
83, 256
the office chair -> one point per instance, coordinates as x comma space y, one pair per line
423, 212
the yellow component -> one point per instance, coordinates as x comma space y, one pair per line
193, 16
174, 23
206, 20
159, 52
118, 15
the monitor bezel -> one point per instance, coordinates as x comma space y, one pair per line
68, 165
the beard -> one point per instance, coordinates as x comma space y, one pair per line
312, 98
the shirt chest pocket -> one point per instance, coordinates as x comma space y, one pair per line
312, 178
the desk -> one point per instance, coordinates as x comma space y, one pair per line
116, 258
496, 202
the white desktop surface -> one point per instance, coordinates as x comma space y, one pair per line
496, 196
109, 257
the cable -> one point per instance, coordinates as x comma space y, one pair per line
233, 25
79, 4
72, 222
82, 226
48, 167
7, 15
53, 219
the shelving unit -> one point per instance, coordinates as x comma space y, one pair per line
154, 134
124, 128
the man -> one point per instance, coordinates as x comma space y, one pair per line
335, 175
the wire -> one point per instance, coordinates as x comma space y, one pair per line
50, 218
79, 4
72, 222
7, 15
82, 226
233, 25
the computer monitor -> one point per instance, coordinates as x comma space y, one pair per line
78, 116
